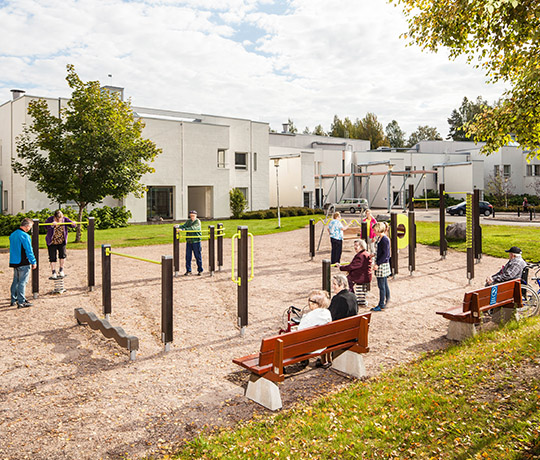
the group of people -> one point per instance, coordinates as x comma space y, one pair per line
362, 267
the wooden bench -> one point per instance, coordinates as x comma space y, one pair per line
505, 297
347, 338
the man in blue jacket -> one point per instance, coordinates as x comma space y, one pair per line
21, 258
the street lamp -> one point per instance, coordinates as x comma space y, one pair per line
389, 180
276, 164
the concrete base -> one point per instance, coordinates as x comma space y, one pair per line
264, 392
350, 363
460, 331
503, 315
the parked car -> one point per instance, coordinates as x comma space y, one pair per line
349, 205
460, 209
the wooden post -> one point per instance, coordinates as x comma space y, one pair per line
312, 238
393, 244
243, 278
364, 231
443, 244
470, 238
412, 242
167, 301
35, 248
211, 250
106, 296
220, 246
91, 257
326, 282
477, 229
176, 249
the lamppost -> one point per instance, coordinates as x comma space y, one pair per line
389, 179
276, 164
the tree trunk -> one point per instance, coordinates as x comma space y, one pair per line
78, 234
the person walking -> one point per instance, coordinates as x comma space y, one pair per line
193, 242
371, 221
56, 239
359, 272
525, 204
382, 266
335, 229
21, 258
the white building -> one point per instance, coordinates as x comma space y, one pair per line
203, 157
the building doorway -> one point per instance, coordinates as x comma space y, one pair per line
159, 203
201, 199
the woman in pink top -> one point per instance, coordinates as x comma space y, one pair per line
371, 221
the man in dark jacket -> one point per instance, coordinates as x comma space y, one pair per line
21, 258
343, 303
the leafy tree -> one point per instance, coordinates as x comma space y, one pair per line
424, 133
499, 187
395, 135
501, 36
292, 128
372, 130
337, 128
237, 202
92, 150
319, 131
306, 130
464, 115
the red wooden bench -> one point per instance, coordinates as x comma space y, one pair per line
465, 318
346, 337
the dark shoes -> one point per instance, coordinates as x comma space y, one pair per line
24, 305
319, 363
187, 273
199, 274
377, 308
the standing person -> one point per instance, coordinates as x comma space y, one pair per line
525, 204
335, 229
382, 266
56, 239
21, 258
343, 303
359, 271
193, 242
371, 221
511, 270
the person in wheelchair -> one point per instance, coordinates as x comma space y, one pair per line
511, 270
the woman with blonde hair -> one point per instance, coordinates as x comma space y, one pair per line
382, 266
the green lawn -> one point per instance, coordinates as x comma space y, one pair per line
477, 400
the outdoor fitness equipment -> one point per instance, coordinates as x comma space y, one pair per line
90, 251
242, 281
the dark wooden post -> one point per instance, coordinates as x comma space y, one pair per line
167, 301
35, 248
443, 244
477, 229
91, 258
106, 280
326, 283
364, 231
211, 250
220, 232
312, 238
412, 232
470, 238
393, 244
243, 278
176, 249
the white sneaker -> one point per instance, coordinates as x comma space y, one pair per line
61, 274
54, 276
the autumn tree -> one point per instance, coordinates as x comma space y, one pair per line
424, 133
500, 36
92, 150
395, 135
460, 118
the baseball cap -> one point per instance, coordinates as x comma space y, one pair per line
193, 212
514, 250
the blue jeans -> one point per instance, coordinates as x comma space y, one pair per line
20, 279
195, 249
384, 291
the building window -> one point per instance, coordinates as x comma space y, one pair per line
407, 168
159, 203
530, 170
536, 170
254, 161
221, 158
496, 170
5, 200
507, 170
244, 191
240, 160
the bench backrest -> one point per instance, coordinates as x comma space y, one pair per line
489, 297
297, 343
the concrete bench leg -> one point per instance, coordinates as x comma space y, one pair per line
350, 363
503, 315
264, 392
460, 331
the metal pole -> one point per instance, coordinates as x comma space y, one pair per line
277, 191
243, 278
326, 284
35, 248
443, 244
176, 249
211, 250
167, 301
312, 238
220, 246
389, 180
106, 297
393, 244
91, 256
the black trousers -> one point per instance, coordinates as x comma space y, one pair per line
337, 247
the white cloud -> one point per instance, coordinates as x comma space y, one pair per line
232, 57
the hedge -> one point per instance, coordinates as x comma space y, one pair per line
284, 212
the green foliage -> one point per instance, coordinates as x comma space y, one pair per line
368, 128
501, 36
449, 200
499, 188
395, 135
107, 217
319, 131
461, 117
237, 202
292, 128
424, 133
289, 211
94, 149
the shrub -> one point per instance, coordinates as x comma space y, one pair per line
107, 217
237, 202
